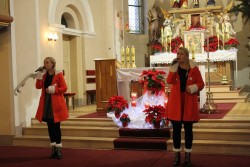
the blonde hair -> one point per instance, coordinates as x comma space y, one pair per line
185, 50
52, 60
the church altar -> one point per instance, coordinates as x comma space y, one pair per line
218, 56
159, 59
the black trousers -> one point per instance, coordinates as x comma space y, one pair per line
54, 130
188, 128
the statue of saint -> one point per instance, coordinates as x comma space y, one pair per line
210, 2
195, 3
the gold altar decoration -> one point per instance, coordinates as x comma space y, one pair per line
127, 57
133, 57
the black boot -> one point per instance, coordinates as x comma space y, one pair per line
53, 152
177, 159
59, 152
187, 159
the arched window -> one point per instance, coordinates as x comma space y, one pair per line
135, 10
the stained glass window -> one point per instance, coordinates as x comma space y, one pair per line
135, 8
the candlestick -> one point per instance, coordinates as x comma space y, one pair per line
170, 39
162, 36
223, 35
128, 57
146, 105
133, 56
193, 51
165, 103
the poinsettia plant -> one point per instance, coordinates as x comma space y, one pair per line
232, 42
125, 118
213, 44
153, 80
116, 104
154, 113
176, 43
156, 48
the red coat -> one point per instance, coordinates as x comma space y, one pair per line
59, 107
195, 81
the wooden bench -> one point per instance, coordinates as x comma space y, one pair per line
67, 96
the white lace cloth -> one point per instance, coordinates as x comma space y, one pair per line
136, 114
218, 56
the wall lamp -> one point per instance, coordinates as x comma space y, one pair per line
52, 36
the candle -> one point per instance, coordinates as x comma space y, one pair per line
133, 53
162, 36
133, 103
165, 103
133, 96
128, 56
146, 105
122, 54
193, 51
170, 38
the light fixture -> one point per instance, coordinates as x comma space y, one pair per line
52, 36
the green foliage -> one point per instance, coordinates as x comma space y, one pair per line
244, 8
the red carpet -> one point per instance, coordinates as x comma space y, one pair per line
222, 110
38, 157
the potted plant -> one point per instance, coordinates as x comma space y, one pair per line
153, 80
117, 104
125, 119
154, 115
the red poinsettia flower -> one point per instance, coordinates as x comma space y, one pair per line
117, 104
213, 44
232, 42
153, 80
124, 118
175, 44
155, 113
157, 47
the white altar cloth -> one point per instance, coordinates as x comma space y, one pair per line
125, 75
218, 56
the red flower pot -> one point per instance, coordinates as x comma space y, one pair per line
124, 124
156, 124
117, 114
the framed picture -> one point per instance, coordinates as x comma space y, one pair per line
194, 40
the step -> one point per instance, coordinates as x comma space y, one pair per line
140, 143
218, 88
217, 147
92, 122
75, 131
240, 99
222, 124
67, 141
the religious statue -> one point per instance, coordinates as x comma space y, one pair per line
167, 32
196, 3
153, 19
181, 26
227, 27
176, 4
179, 3
210, 2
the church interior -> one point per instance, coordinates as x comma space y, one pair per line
104, 47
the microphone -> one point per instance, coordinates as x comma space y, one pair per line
40, 69
174, 61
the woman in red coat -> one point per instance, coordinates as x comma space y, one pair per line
52, 107
186, 81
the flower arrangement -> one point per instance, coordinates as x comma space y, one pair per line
213, 44
156, 47
176, 43
125, 119
153, 80
117, 104
232, 42
155, 114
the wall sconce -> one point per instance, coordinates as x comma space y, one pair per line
52, 36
